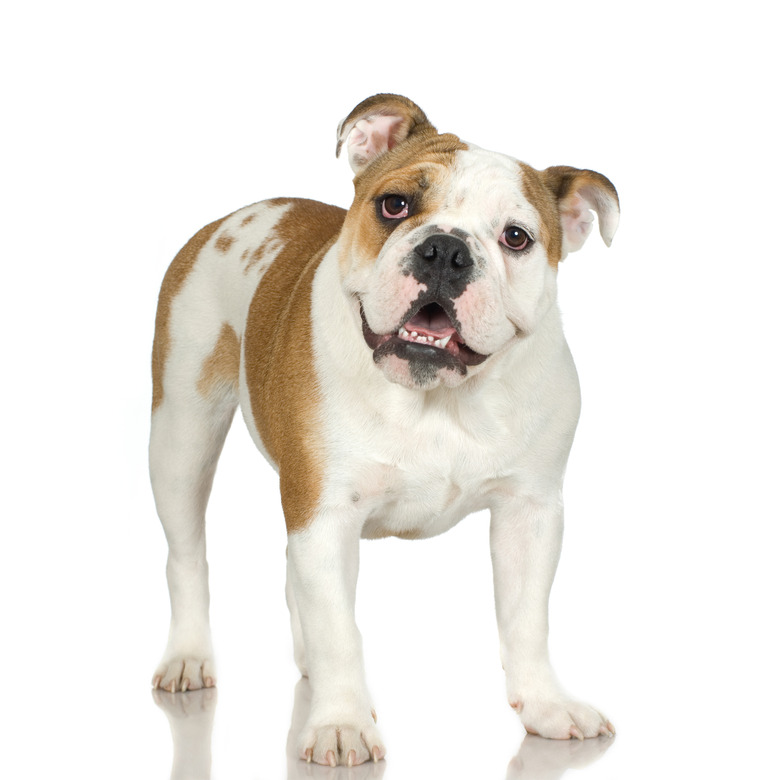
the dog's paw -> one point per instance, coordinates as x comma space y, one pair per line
561, 719
180, 673
348, 744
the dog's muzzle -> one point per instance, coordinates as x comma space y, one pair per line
429, 335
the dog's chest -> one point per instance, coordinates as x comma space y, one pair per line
418, 504
425, 476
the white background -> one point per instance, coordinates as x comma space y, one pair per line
128, 126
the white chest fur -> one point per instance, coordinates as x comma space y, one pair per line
418, 470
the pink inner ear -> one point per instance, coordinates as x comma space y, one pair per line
371, 137
576, 220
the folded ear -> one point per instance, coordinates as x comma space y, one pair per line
578, 192
377, 125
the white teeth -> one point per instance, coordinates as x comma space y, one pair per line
422, 339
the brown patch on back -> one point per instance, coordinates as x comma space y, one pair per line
279, 358
536, 189
172, 283
271, 240
220, 368
224, 242
258, 254
246, 220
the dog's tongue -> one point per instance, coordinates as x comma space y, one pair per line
431, 321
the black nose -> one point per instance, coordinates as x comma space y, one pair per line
445, 249
443, 260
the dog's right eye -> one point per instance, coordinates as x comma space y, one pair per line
395, 207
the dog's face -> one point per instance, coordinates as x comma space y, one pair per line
450, 252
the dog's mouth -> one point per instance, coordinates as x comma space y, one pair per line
428, 334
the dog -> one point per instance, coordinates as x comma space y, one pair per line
402, 365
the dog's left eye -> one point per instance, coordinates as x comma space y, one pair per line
515, 238
395, 207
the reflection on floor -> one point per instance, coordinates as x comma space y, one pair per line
191, 719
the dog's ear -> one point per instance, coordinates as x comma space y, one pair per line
579, 192
377, 125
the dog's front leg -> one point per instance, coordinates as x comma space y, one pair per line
322, 572
525, 544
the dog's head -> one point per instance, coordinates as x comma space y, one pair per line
450, 252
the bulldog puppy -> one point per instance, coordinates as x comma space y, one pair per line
402, 365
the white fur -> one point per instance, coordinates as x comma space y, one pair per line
402, 461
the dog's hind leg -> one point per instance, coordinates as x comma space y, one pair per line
185, 444
195, 373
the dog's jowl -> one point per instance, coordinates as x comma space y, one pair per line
401, 364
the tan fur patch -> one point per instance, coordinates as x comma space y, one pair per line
258, 254
536, 189
248, 219
279, 359
224, 242
172, 283
563, 179
220, 368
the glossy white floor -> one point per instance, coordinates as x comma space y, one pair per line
133, 127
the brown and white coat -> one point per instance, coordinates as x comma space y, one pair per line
402, 365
